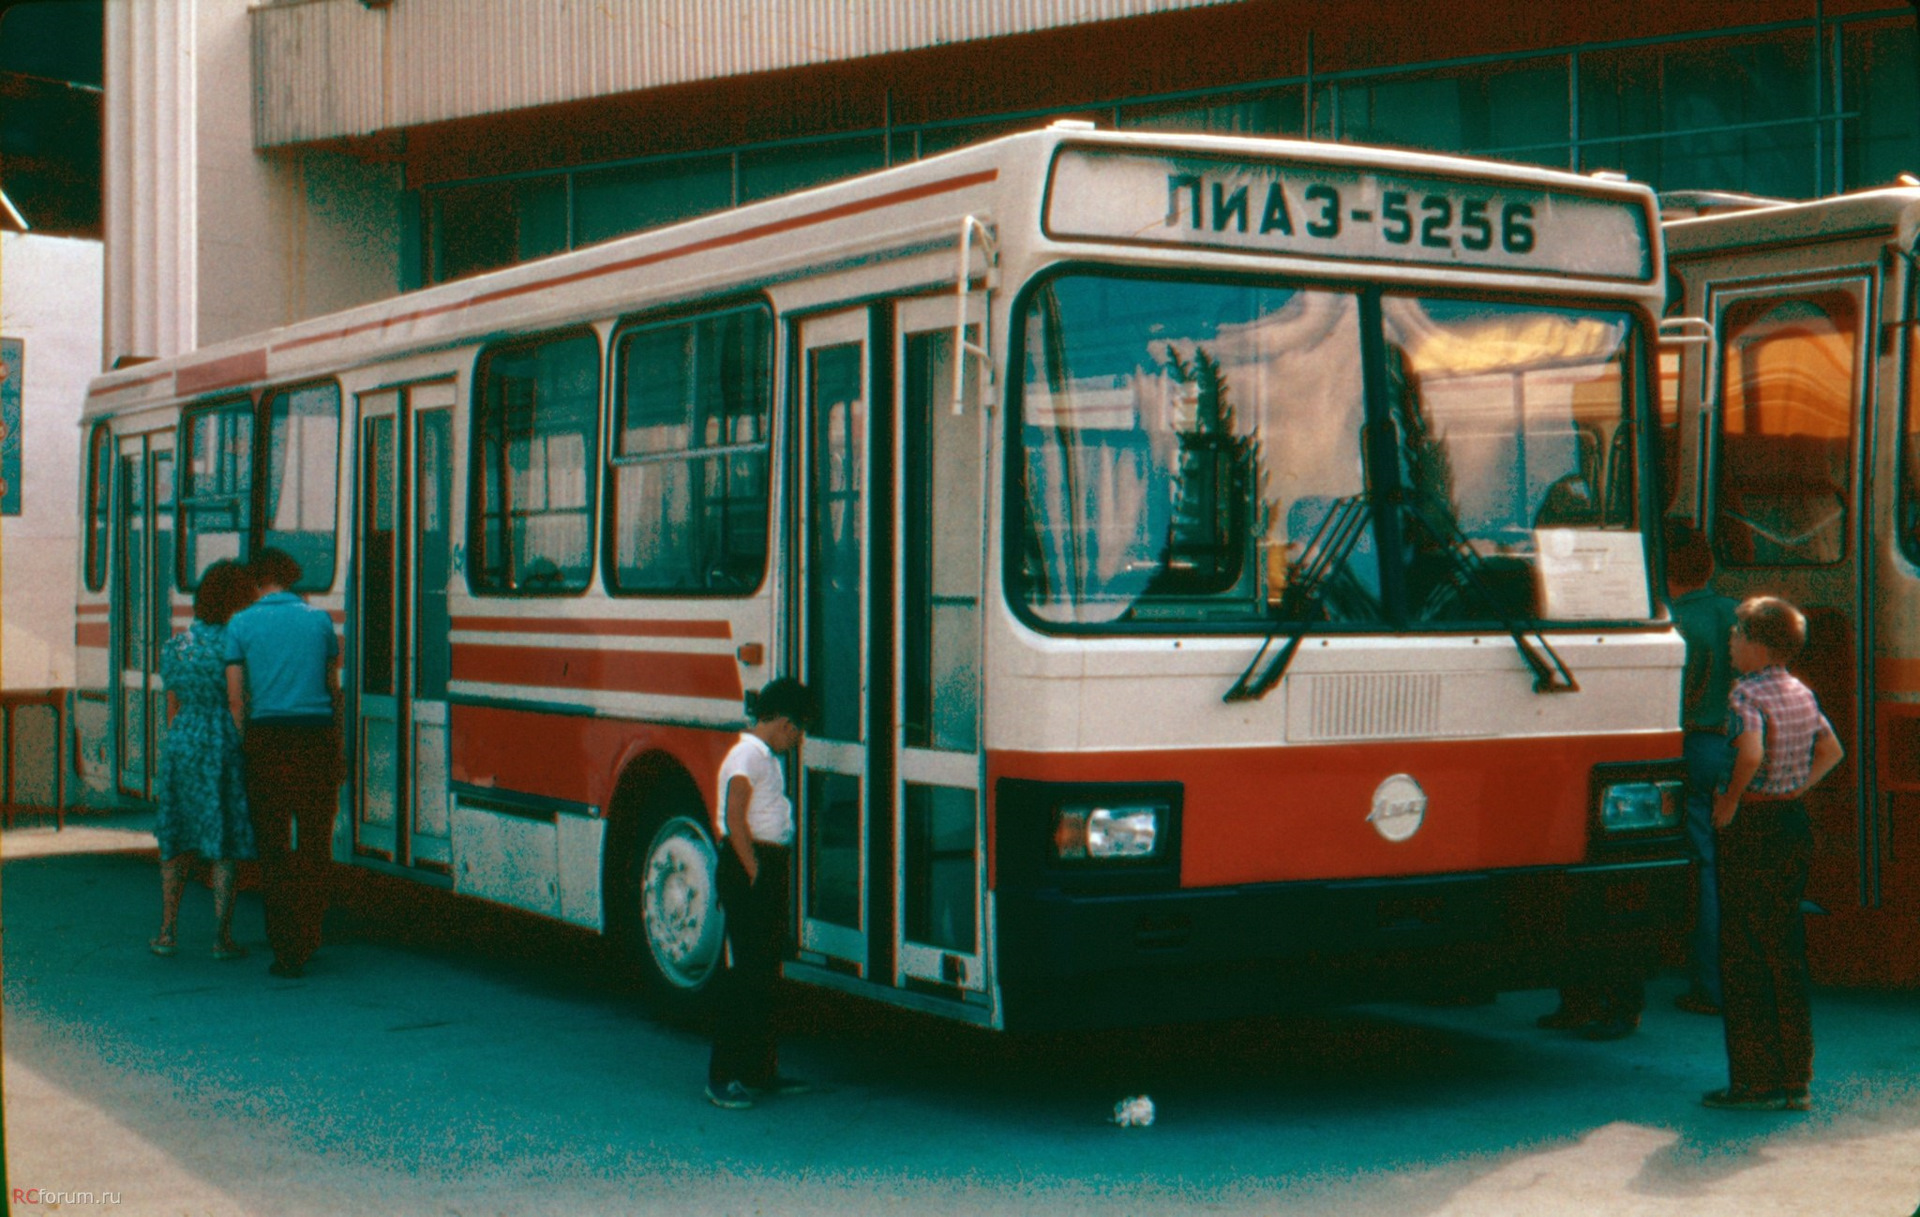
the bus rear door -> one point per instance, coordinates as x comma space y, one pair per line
1790, 515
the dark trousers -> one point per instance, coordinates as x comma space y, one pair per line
1709, 756
743, 1039
1764, 856
293, 791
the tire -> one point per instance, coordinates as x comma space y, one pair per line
672, 922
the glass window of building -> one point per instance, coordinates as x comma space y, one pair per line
1880, 96
766, 172
1707, 114
1516, 110
631, 198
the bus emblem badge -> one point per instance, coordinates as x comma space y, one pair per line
1399, 808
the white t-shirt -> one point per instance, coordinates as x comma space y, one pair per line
769, 814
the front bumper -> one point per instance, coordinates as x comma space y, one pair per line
1071, 959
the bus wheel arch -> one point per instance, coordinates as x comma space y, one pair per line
663, 901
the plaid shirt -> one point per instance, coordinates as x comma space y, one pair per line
1784, 712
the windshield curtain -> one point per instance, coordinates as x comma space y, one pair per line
1191, 453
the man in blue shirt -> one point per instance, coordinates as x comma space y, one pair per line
283, 689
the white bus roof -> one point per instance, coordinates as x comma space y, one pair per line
1893, 212
909, 208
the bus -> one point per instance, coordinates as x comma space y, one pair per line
1790, 438
1222, 563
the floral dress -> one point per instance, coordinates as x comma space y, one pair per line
202, 795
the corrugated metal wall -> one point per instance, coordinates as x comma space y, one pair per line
329, 68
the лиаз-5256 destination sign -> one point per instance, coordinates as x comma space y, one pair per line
1341, 211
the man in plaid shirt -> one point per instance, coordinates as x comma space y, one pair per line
1783, 746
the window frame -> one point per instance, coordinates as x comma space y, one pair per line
1861, 284
626, 330
1638, 366
263, 472
245, 404
476, 481
98, 520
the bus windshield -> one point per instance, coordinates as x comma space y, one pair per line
1196, 454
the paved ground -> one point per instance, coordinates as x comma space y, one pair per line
447, 1059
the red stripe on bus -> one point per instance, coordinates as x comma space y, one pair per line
90, 610
91, 634
859, 207
221, 373
123, 386
1300, 813
665, 672
577, 759
596, 627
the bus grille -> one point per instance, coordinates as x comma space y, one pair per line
1368, 706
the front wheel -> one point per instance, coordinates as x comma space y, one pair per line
674, 897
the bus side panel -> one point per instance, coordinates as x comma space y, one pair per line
573, 758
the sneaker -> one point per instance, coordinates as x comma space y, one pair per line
1693, 1001
733, 1096
1744, 1100
163, 945
1795, 1100
228, 951
781, 1085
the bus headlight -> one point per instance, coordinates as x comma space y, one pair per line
1641, 806
1120, 831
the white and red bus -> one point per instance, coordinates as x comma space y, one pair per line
1223, 564
1792, 440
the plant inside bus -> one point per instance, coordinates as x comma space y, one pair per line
1188, 448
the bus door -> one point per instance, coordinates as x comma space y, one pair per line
939, 832
836, 778
402, 556
142, 604
1788, 513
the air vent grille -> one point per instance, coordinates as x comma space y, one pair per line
1370, 706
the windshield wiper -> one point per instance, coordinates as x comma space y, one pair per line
1326, 553
1550, 673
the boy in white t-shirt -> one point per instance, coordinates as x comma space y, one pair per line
754, 830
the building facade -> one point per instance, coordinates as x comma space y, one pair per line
271, 162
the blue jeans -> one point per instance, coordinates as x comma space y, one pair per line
1709, 757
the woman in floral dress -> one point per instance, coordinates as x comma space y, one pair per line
202, 798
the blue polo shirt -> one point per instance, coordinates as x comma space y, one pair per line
286, 646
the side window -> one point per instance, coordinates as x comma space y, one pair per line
303, 472
690, 455
1910, 449
535, 448
1788, 388
99, 503
216, 487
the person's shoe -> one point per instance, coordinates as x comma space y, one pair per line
224, 951
1744, 1100
1610, 1029
163, 945
1693, 1001
733, 1096
1563, 1019
285, 970
1795, 1100
781, 1085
